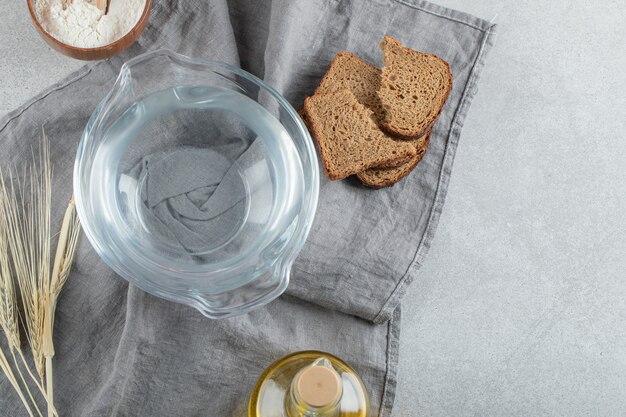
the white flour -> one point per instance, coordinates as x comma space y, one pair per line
80, 23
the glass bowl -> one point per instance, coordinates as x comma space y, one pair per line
197, 182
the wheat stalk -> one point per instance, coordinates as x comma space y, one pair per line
4, 365
27, 233
9, 318
37, 383
63, 260
8, 301
8, 304
29, 243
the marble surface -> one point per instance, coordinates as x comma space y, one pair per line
520, 309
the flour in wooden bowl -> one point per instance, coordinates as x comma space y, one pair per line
81, 24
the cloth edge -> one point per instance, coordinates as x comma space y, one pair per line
393, 350
442, 187
448, 13
59, 85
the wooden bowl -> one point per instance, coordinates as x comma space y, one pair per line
92, 54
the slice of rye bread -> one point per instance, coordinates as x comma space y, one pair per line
363, 79
417, 144
381, 178
348, 139
413, 90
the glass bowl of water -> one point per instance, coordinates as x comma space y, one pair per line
197, 182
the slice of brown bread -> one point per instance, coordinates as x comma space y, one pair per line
413, 89
417, 143
362, 79
380, 178
348, 139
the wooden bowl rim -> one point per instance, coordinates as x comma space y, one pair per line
144, 15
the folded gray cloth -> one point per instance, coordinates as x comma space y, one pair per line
204, 205
121, 352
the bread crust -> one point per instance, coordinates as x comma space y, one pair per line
369, 179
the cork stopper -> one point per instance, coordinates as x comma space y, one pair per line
318, 387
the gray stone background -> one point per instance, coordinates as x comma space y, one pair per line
520, 309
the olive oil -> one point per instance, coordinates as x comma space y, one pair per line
309, 384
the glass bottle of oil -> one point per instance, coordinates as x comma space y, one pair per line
309, 384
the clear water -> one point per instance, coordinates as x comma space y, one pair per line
198, 173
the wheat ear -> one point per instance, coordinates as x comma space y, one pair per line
26, 247
25, 234
8, 302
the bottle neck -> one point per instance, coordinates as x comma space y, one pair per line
297, 408
315, 391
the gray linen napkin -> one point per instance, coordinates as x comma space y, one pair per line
207, 204
121, 352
